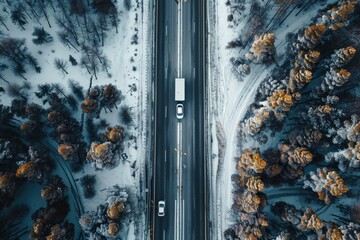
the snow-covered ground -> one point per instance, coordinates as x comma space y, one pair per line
230, 98
129, 66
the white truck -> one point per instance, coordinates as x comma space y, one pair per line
179, 89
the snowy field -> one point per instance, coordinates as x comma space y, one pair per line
128, 52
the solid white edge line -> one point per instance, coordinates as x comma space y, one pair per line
178, 217
181, 184
153, 90
178, 42
181, 35
176, 228
182, 215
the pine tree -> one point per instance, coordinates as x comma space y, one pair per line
41, 36
126, 116
127, 4
72, 60
103, 6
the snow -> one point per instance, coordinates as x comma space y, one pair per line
119, 50
229, 98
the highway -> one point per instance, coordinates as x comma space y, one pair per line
179, 174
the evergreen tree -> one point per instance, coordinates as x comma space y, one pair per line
103, 6
41, 36
73, 60
127, 4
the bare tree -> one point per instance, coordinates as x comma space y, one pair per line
114, 17
65, 40
60, 65
18, 16
94, 65
19, 69
103, 27
97, 51
105, 64
77, 89
69, 98
16, 90
79, 9
34, 63
31, 4
85, 64
3, 67
52, 5
42, 6
95, 30
15, 51
2, 21
87, 51
91, 59
67, 24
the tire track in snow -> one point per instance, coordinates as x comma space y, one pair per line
233, 113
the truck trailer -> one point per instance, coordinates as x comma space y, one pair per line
180, 89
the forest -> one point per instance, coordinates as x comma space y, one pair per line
64, 120
298, 168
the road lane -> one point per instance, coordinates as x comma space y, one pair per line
164, 185
193, 131
188, 64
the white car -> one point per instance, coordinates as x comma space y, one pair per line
179, 111
161, 211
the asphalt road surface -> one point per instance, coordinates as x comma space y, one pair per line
169, 64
